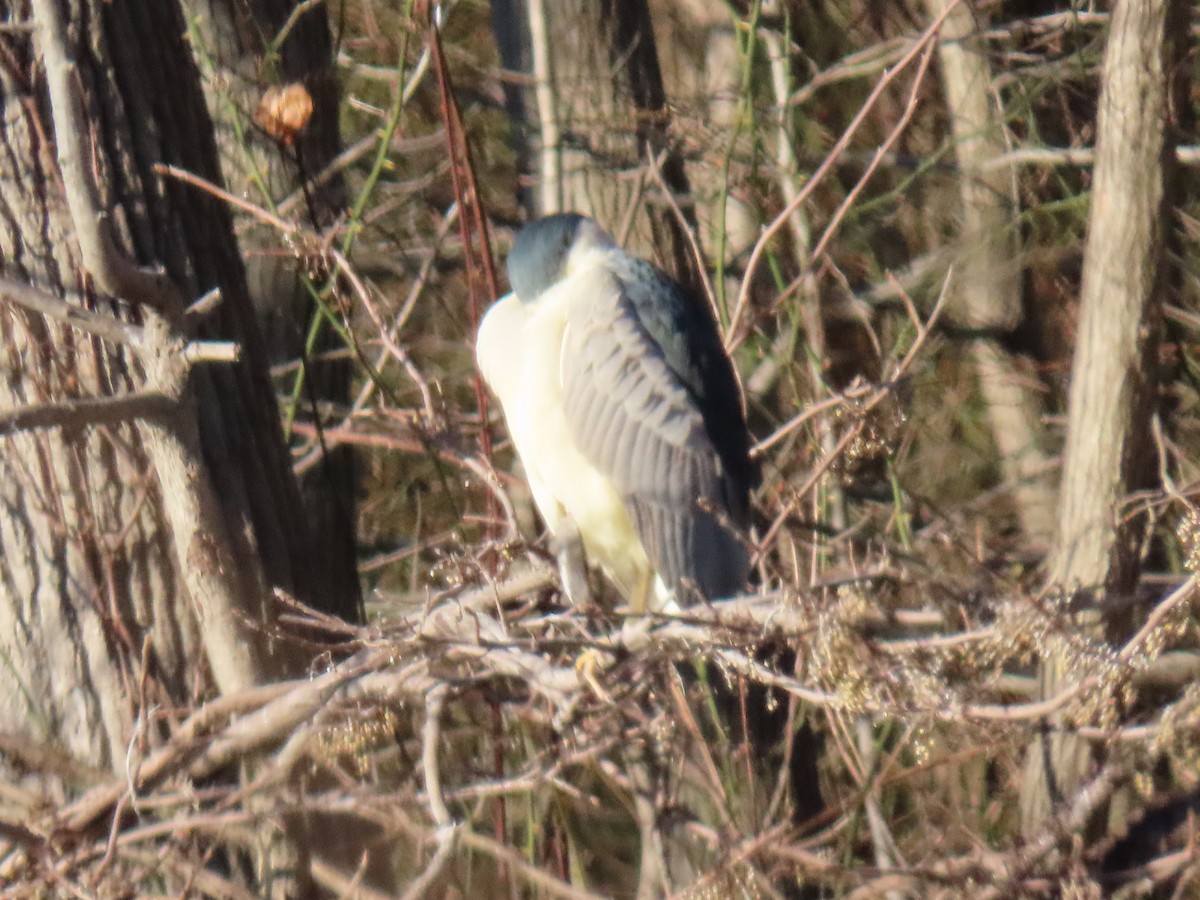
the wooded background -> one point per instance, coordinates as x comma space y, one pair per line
275, 619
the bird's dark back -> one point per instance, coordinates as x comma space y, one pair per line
684, 328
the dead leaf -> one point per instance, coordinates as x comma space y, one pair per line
284, 111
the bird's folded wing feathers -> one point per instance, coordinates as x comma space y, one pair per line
630, 415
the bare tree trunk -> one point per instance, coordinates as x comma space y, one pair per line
987, 283
102, 615
717, 83
605, 126
244, 50
512, 25
1109, 450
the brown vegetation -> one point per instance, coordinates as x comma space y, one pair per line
950, 246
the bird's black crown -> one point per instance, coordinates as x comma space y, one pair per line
539, 254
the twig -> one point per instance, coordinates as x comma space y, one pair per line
482, 284
298, 10
828, 460
1069, 156
330, 878
205, 304
878, 156
344, 432
514, 862
211, 352
1165, 607
385, 334
485, 473
734, 336
106, 327
1069, 821
253, 209
280, 707
887, 856
858, 64
799, 419
654, 163
446, 832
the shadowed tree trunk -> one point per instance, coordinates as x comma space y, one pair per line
987, 282
604, 126
244, 50
1109, 451
137, 549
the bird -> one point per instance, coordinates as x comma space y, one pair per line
626, 413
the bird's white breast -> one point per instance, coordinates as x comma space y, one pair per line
520, 353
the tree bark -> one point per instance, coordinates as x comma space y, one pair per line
987, 282
1109, 450
100, 616
605, 126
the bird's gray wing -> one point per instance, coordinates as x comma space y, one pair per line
631, 416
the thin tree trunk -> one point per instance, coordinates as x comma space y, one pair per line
605, 127
730, 224
987, 282
1109, 450
245, 48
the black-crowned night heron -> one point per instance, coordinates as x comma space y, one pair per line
625, 411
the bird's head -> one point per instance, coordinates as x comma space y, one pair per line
548, 249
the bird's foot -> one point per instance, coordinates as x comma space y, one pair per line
634, 635
587, 664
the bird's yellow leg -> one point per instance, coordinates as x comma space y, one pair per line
635, 630
587, 664
633, 634
640, 601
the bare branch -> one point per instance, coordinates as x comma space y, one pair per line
87, 411
110, 328
211, 352
282, 225
447, 831
736, 332
1069, 156
72, 312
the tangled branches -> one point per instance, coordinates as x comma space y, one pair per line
391, 738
